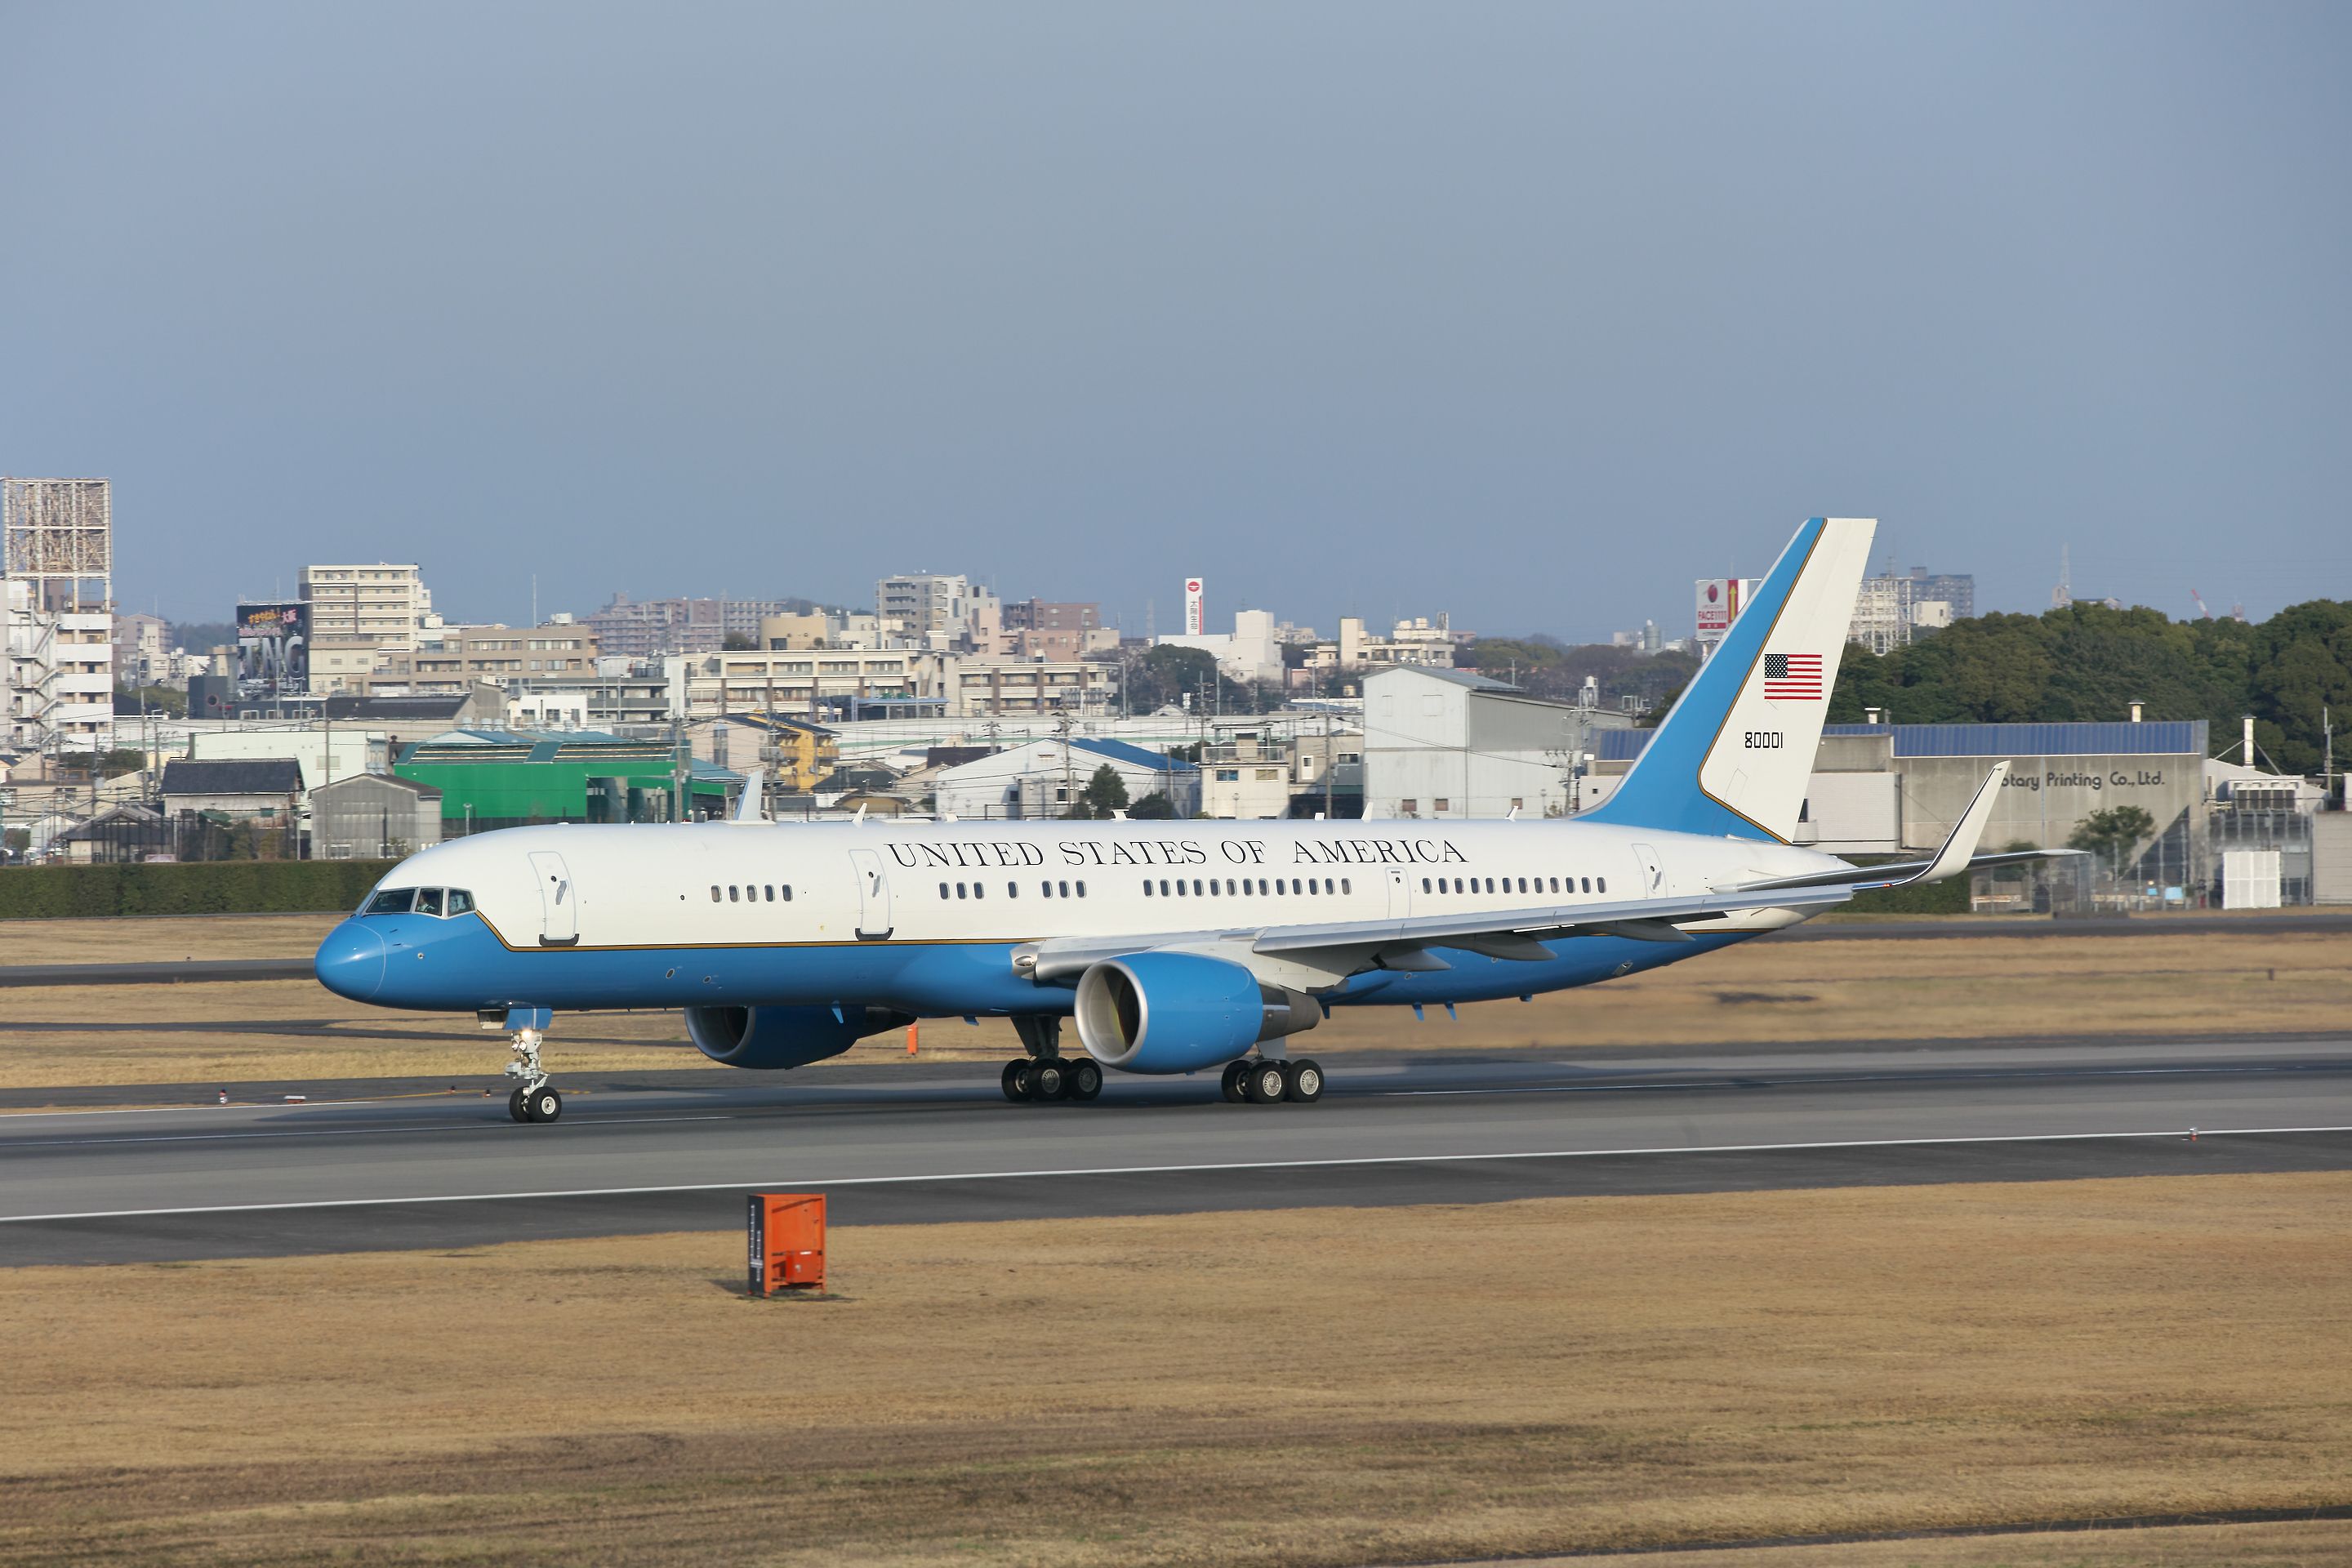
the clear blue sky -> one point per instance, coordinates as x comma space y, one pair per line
1531, 313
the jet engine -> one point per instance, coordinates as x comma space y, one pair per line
1179, 1012
785, 1037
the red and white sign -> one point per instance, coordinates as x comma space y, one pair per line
1193, 622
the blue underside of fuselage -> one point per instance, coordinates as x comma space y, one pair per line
459, 965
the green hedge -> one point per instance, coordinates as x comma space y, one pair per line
1948, 897
200, 887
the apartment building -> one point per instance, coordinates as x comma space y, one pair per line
649, 628
59, 692
360, 604
495, 655
927, 609
817, 683
996, 686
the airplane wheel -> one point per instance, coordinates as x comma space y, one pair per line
514, 1106
1025, 1082
1233, 1092
1303, 1082
1265, 1083
1016, 1082
543, 1105
1049, 1079
1085, 1079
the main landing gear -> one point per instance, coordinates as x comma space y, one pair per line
1045, 1074
536, 1099
1264, 1080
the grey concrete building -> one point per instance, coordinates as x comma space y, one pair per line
1447, 743
372, 817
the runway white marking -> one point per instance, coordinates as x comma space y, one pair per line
1960, 1074
2172, 1133
348, 1131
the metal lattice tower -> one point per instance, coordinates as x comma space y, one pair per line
59, 534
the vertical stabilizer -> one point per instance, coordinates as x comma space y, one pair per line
1734, 756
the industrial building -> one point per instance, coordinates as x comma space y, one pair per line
1888, 789
1448, 744
373, 817
501, 778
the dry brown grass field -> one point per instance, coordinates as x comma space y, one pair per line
1299, 1387
1991, 987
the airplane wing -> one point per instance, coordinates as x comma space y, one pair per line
1323, 953
1336, 948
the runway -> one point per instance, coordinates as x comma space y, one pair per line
936, 1142
161, 972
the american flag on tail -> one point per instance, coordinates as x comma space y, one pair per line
1792, 677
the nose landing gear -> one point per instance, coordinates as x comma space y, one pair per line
536, 1099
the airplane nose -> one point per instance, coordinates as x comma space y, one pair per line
350, 962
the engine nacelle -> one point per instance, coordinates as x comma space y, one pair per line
1177, 1012
771, 1037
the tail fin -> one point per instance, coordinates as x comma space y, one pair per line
1734, 756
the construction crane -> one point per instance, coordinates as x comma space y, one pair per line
2199, 599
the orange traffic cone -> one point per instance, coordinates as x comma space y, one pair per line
910, 1039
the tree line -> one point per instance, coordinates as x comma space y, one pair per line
2091, 663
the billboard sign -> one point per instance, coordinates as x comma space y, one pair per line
1193, 625
273, 647
1720, 600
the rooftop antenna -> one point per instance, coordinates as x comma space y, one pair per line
2063, 594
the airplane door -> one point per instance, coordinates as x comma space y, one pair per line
873, 896
559, 904
1653, 875
1400, 894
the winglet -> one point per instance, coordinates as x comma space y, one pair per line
1954, 856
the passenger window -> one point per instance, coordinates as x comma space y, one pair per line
1424, 884
959, 893
1011, 889
1061, 890
1082, 890
1163, 886
1347, 884
1588, 884
788, 892
1179, 887
428, 901
1604, 884
732, 893
461, 903
1555, 884
943, 889
770, 890
1229, 884
980, 890
1147, 887
714, 892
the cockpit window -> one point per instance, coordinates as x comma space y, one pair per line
391, 902
461, 903
428, 901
